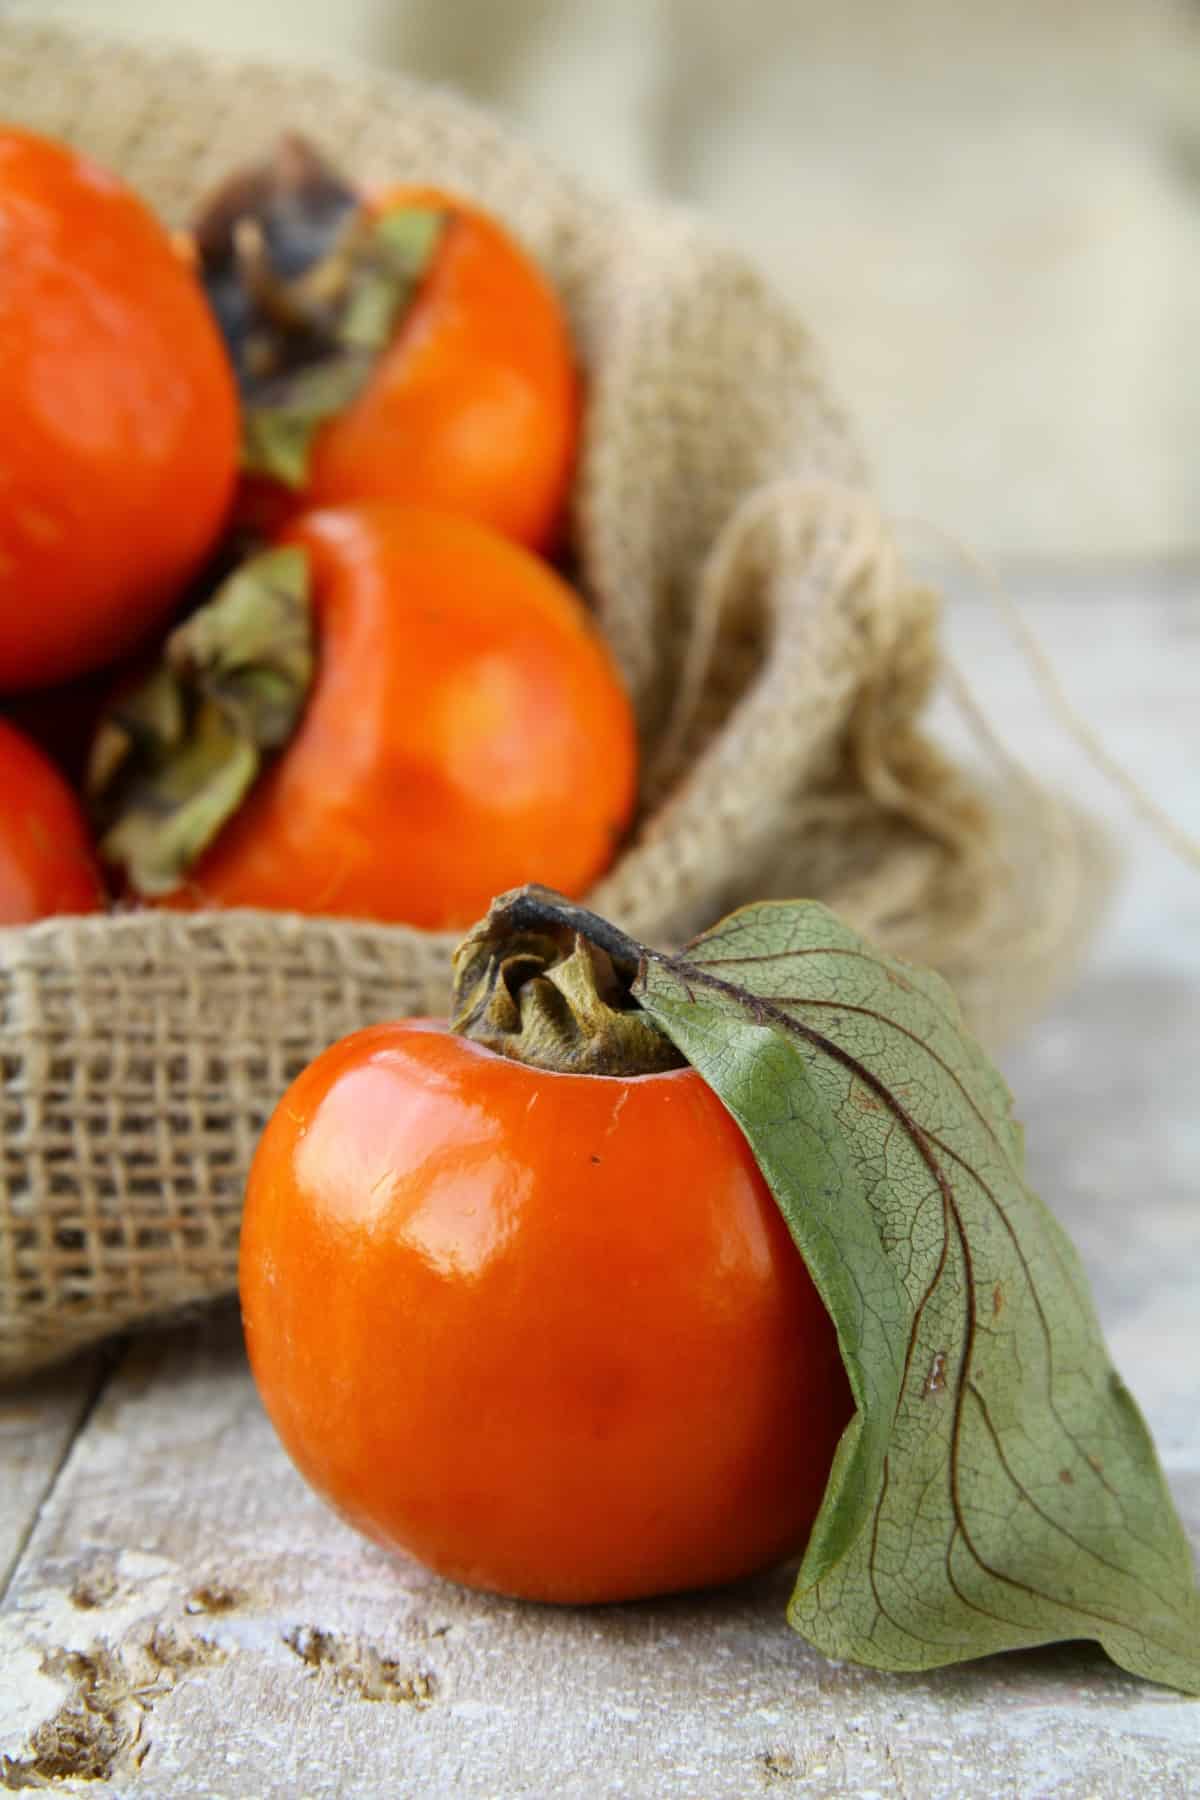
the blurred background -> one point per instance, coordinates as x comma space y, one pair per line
989, 211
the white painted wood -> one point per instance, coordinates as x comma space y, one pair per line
38, 1419
178, 1486
187, 1615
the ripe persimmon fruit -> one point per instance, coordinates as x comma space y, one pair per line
465, 729
118, 450
473, 406
545, 1331
398, 346
46, 861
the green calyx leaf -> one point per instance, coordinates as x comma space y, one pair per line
308, 287
395, 254
175, 757
278, 432
998, 1488
332, 354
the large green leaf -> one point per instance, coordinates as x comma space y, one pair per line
999, 1488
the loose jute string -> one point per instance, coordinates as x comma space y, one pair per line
1168, 830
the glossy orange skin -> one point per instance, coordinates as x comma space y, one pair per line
46, 862
547, 1333
119, 445
466, 731
474, 405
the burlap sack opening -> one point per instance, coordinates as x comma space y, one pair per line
778, 657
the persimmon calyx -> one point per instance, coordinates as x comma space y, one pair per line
174, 758
308, 286
545, 982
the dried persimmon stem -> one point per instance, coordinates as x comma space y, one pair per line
545, 982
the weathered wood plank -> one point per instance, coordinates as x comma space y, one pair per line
38, 1420
190, 1622
187, 1620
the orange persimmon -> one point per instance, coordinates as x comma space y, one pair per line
465, 729
473, 406
399, 346
118, 449
46, 860
547, 1332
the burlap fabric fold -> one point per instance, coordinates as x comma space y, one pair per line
778, 657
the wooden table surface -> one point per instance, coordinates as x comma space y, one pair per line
181, 1618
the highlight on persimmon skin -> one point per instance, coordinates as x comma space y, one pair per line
120, 441
466, 730
47, 866
545, 1332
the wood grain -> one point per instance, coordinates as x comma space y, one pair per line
38, 1420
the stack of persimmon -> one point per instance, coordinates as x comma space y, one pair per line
278, 626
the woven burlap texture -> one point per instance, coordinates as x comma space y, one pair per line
777, 655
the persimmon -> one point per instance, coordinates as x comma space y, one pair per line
540, 1325
118, 451
46, 861
465, 729
398, 346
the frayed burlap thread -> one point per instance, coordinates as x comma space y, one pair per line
778, 656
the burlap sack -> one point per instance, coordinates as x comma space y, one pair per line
778, 658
